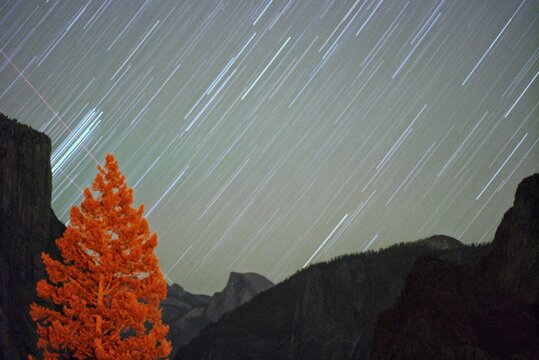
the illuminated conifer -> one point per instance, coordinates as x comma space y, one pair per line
107, 286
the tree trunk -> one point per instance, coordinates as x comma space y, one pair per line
99, 319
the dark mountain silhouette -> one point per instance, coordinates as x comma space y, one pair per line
447, 311
187, 314
485, 309
514, 261
326, 311
457, 302
28, 226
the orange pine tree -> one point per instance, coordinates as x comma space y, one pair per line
106, 289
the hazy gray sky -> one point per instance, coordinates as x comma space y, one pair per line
266, 135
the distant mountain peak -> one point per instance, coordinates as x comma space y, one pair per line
188, 313
441, 242
250, 280
240, 288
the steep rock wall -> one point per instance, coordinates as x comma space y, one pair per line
28, 226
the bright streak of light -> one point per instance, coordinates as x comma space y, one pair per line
491, 45
70, 145
265, 69
55, 113
518, 99
500, 168
327, 238
370, 243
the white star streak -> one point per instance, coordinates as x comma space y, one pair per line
327, 238
500, 168
492, 44
265, 69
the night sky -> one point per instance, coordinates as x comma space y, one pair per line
267, 135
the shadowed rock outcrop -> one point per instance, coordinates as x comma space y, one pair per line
28, 226
464, 309
515, 257
448, 311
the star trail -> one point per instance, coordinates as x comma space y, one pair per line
269, 135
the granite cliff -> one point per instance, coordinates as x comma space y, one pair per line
514, 261
28, 226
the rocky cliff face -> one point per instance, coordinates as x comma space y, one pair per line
28, 226
482, 308
515, 257
449, 311
187, 314
326, 311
